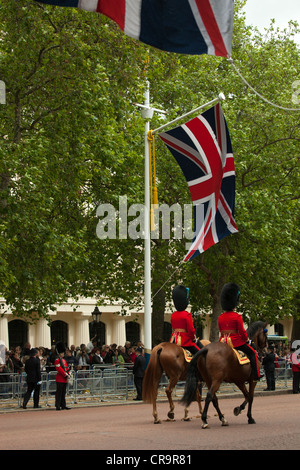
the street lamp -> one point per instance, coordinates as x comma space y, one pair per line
96, 314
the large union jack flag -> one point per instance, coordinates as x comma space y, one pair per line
183, 26
202, 148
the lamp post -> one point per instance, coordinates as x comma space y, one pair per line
96, 314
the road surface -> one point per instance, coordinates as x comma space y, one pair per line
130, 427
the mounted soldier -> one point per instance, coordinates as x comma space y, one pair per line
184, 333
231, 326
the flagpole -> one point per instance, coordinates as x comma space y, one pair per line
221, 97
147, 114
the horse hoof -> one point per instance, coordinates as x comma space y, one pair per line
205, 426
237, 411
186, 419
171, 415
157, 421
224, 422
251, 421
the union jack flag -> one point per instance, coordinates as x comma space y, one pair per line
202, 148
182, 26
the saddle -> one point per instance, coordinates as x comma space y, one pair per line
242, 357
188, 356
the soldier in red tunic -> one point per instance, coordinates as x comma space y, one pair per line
62, 377
182, 321
231, 325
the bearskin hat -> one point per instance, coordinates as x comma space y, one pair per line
60, 347
180, 295
230, 296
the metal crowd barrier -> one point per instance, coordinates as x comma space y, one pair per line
107, 383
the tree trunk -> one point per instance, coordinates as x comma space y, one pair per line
158, 312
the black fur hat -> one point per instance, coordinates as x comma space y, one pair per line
180, 297
230, 296
60, 347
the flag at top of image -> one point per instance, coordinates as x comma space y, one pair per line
182, 26
202, 148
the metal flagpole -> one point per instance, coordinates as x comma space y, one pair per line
221, 97
147, 114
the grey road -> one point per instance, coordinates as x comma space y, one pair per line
130, 428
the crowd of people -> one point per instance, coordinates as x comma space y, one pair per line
34, 361
77, 357
281, 356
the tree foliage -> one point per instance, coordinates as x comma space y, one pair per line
72, 138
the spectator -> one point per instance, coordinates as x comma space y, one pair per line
26, 350
33, 378
269, 367
138, 372
83, 359
296, 371
16, 360
96, 357
107, 354
71, 360
132, 354
9, 363
127, 347
92, 345
117, 358
123, 353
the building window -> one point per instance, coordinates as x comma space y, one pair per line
59, 332
132, 332
17, 333
278, 329
98, 329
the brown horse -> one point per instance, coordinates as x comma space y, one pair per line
168, 358
217, 363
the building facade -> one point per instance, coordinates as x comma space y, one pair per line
72, 323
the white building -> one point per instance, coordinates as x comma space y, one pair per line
72, 324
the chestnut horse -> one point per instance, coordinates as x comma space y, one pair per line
168, 358
217, 363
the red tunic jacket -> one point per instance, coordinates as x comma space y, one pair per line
62, 375
183, 323
232, 321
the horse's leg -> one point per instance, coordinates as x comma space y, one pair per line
249, 399
238, 409
220, 414
169, 390
252, 385
154, 404
198, 399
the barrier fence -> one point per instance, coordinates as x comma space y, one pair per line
105, 383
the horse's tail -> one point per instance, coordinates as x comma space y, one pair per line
152, 376
192, 378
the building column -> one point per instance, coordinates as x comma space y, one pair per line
119, 331
82, 334
43, 334
4, 331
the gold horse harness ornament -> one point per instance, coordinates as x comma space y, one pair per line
242, 357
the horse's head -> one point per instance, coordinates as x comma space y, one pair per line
257, 332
